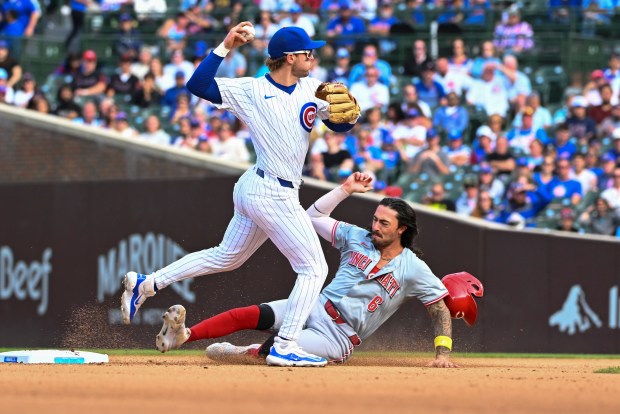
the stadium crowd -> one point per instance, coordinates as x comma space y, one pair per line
521, 164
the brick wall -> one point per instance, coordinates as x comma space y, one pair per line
40, 153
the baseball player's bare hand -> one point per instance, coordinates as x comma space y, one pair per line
237, 36
358, 183
442, 361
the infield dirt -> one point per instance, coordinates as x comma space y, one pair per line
194, 384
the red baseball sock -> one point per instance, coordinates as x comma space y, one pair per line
226, 323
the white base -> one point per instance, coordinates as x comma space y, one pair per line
48, 356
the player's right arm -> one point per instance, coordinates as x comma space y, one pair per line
202, 83
442, 328
321, 209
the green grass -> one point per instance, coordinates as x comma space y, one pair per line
610, 370
362, 354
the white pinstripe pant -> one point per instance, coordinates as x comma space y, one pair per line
263, 209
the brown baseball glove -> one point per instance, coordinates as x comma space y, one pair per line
343, 107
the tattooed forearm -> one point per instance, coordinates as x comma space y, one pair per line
442, 323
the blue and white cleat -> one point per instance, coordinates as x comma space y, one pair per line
285, 353
137, 288
174, 333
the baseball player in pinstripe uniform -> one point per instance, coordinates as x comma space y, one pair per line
279, 109
379, 271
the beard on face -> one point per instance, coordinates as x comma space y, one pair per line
380, 242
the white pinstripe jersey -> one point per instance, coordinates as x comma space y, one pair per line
279, 123
366, 300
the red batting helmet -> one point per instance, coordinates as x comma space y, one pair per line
461, 286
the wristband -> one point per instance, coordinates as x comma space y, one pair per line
443, 341
221, 50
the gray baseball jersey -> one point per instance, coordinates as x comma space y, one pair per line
365, 297
280, 121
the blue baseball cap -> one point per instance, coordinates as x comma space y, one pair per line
431, 133
455, 134
291, 39
4, 44
295, 8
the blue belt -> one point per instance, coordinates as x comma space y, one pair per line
283, 183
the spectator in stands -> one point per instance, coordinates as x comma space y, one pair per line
489, 92
524, 202
451, 81
367, 158
606, 173
536, 155
562, 10
298, 19
78, 18
70, 66
185, 129
26, 13
562, 144
513, 35
66, 107
316, 70
567, 220
612, 72
39, 103
228, 146
200, 21
467, 201
596, 12
27, 90
9, 64
489, 183
162, 82
123, 83
416, 59
417, 10
90, 115
485, 207
334, 160
153, 131
496, 123
459, 62
3, 92
458, 153
370, 58
366, 9
381, 26
152, 9
412, 100
600, 218
143, 65
591, 90
545, 177
437, 199
341, 28
483, 144
502, 160
128, 42
175, 31
182, 108
170, 97
89, 81
487, 55
584, 176
521, 137
563, 186
432, 160
429, 90
373, 121
178, 63
341, 71
451, 116
612, 122
147, 96
614, 151
581, 126
391, 161
265, 26
517, 83
121, 125
371, 93
542, 116
234, 65
612, 194
602, 111
190, 139
410, 134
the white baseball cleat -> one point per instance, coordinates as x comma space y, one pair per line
137, 288
227, 352
285, 353
174, 333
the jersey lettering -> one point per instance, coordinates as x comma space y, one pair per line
374, 303
389, 283
359, 260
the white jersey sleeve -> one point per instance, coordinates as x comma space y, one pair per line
237, 95
423, 284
